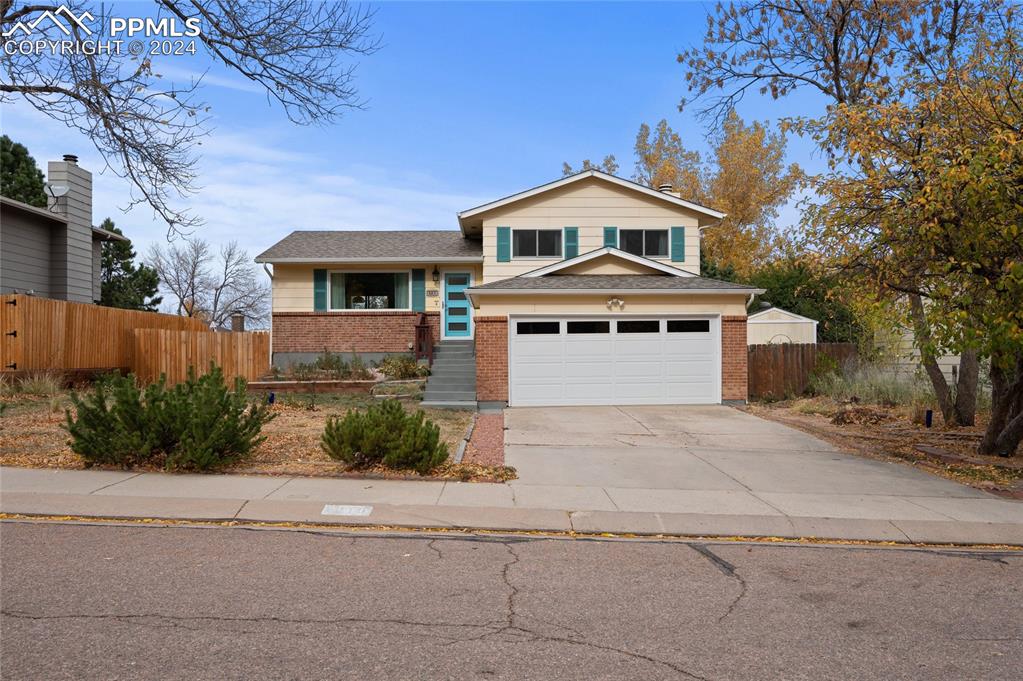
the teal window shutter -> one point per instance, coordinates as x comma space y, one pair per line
571, 242
504, 244
611, 237
678, 244
320, 290
419, 290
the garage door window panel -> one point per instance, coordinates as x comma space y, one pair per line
537, 328
639, 326
688, 326
589, 327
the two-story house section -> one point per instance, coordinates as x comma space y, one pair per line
582, 291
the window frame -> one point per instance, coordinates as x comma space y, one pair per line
643, 231
331, 273
536, 240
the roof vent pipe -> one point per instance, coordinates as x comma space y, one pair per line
666, 188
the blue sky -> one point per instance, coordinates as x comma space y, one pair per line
466, 102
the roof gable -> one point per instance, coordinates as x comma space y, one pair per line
608, 253
776, 314
471, 218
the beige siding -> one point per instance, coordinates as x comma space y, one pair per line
293, 284
597, 304
608, 264
758, 332
898, 350
589, 205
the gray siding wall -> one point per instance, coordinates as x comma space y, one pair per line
97, 268
25, 253
72, 276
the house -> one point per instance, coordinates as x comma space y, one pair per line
54, 252
582, 291
775, 325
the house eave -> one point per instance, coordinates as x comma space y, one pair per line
464, 216
430, 259
608, 250
481, 292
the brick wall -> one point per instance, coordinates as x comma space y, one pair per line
734, 356
379, 331
492, 359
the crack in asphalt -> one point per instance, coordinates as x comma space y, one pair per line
726, 569
512, 624
432, 545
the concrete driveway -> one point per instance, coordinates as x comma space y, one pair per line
719, 460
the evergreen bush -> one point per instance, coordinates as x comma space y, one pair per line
198, 424
385, 434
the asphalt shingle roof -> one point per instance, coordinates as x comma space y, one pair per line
369, 245
611, 282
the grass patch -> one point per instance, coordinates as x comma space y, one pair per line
872, 384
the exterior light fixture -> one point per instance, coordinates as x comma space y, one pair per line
436, 275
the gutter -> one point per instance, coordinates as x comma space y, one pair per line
620, 292
426, 259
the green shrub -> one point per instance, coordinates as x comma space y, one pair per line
385, 434
196, 425
357, 370
332, 363
401, 367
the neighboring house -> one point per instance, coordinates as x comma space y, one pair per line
581, 291
898, 350
54, 252
775, 325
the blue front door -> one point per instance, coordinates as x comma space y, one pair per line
456, 306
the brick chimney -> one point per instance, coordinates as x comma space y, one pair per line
237, 322
73, 251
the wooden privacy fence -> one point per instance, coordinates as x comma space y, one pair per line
158, 351
44, 334
778, 371
39, 334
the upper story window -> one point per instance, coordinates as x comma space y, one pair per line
369, 290
536, 243
650, 243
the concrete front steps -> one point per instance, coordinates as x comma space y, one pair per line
452, 382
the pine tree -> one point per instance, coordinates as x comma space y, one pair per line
20, 177
124, 284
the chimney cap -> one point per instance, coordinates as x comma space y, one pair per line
70, 158
664, 187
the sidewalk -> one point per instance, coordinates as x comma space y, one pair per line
514, 506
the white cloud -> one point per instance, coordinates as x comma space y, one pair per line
254, 188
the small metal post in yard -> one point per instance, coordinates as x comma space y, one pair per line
928, 417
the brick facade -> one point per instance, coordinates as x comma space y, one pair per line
734, 356
378, 331
492, 359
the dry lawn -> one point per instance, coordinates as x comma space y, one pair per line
31, 436
893, 433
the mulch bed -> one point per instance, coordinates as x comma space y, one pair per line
486, 446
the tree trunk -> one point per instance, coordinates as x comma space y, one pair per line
930, 365
1005, 429
966, 388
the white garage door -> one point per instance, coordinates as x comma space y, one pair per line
614, 360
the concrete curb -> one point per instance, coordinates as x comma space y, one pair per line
469, 518
460, 450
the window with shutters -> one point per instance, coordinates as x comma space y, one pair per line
369, 291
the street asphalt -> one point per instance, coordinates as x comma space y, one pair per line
82, 601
